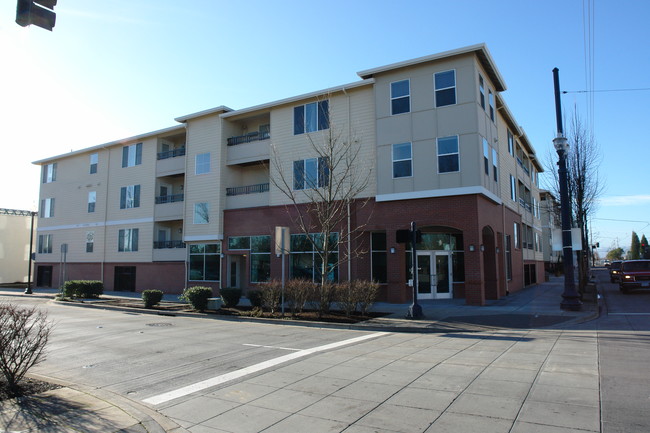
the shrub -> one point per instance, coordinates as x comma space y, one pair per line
272, 295
324, 297
367, 294
346, 298
24, 333
230, 297
197, 296
82, 289
151, 297
255, 298
297, 293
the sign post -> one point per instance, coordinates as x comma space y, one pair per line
281, 247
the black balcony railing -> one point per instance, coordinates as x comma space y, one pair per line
169, 198
171, 153
161, 245
247, 138
249, 189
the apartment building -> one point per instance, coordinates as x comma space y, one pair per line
198, 203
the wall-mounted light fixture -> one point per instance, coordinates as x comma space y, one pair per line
482, 248
498, 250
392, 250
471, 248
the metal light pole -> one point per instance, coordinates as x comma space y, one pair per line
570, 296
415, 310
28, 290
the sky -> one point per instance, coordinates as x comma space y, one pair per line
112, 70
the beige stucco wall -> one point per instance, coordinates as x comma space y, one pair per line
14, 248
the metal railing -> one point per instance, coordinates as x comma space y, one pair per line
249, 189
161, 245
173, 198
171, 153
247, 138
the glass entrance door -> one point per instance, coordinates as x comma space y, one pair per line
434, 275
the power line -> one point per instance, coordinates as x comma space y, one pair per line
608, 90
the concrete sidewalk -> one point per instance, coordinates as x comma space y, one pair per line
477, 387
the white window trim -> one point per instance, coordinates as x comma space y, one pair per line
408, 80
438, 154
392, 167
455, 86
202, 164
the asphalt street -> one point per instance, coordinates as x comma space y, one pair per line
226, 376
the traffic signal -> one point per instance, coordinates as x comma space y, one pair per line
29, 12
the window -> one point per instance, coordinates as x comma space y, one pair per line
130, 196
94, 159
239, 243
311, 117
445, 88
311, 173
516, 235
508, 258
481, 89
486, 156
495, 164
443, 242
202, 163
378, 257
260, 258
305, 262
205, 262
511, 144
47, 208
132, 155
90, 241
45, 244
491, 99
49, 173
448, 155
92, 199
513, 188
402, 160
201, 213
127, 240
400, 97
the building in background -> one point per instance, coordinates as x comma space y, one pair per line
15, 234
197, 203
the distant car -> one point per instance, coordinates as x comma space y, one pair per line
614, 269
607, 263
634, 274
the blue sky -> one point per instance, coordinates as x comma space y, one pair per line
114, 69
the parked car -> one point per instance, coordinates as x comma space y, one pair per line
614, 269
634, 274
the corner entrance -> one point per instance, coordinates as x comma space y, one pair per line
434, 275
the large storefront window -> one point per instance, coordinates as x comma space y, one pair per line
452, 242
205, 262
260, 254
305, 262
378, 257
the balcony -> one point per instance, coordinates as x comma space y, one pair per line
247, 138
249, 189
251, 147
247, 196
523, 203
168, 207
170, 162
169, 251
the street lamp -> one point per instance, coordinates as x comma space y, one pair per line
570, 296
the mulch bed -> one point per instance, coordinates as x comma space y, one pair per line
239, 311
26, 388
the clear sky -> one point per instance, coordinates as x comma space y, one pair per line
114, 69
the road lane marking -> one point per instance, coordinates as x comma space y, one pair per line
233, 375
628, 314
270, 347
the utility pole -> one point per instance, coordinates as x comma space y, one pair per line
570, 297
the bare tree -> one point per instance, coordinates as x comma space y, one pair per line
585, 185
325, 192
24, 333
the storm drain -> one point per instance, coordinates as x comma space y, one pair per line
159, 324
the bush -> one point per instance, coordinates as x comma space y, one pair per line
151, 297
346, 298
197, 296
24, 333
367, 294
255, 298
272, 295
82, 289
231, 297
297, 293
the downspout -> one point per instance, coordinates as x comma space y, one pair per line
108, 177
349, 242
186, 264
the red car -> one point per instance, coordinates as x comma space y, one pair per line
634, 274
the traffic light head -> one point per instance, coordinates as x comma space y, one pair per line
29, 12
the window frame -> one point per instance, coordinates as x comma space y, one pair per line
436, 90
49, 173
409, 159
45, 244
393, 98
301, 178
301, 121
486, 156
203, 219
127, 240
130, 197
481, 90
495, 165
93, 165
491, 103
375, 253
513, 188
457, 153
206, 250
47, 207
92, 201
132, 155
511, 143
90, 241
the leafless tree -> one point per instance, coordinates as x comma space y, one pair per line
326, 194
24, 333
585, 184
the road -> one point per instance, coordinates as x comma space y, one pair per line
228, 376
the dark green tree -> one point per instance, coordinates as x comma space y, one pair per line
645, 249
635, 247
615, 254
